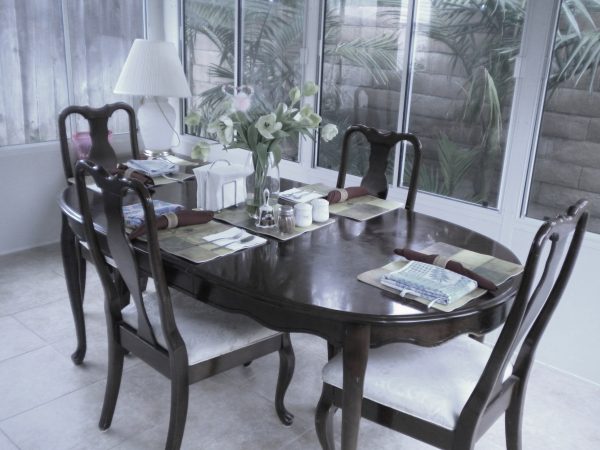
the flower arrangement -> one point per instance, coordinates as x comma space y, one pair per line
252, 127
260, 131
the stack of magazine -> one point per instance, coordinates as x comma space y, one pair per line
152, 167
432, 283
134, 214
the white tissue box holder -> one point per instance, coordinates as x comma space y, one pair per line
223, 201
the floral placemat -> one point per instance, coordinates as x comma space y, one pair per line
496, 270
364, 208
189, 242
239, 217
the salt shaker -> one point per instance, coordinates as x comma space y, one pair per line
285, 220
303, 214
320, 211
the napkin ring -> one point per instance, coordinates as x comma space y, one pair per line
441, 261
343, 195
172, 220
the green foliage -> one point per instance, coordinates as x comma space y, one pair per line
484, 38
271, 35
453, 163
577, 44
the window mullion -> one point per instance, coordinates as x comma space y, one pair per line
539, 26
238, 44
406, 65
313, 43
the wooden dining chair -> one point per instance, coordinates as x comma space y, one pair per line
448, 396
183, 338
381, 143
102, 152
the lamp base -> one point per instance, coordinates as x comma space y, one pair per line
155, 117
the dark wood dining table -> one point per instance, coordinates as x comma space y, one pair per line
308, 284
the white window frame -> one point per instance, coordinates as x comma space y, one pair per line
498, 223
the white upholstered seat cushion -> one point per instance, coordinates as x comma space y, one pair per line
207, 331
431, 383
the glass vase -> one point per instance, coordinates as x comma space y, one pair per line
260, 178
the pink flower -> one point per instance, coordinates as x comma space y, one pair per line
241, 102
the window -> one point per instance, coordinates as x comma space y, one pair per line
461, 93
268, 58
56, 56
442, 69
567, 160
362, 75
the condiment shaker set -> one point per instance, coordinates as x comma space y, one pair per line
288, 218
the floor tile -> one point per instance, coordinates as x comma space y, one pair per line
219, 417
54, 321
16, 338
71, 422
6, 444
34, 378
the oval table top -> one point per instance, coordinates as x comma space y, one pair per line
315, 274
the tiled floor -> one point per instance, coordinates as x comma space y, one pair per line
48, 403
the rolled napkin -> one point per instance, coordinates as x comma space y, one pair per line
441, 261
176, 219
125, 171
341, 195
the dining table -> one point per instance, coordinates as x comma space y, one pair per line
309, 284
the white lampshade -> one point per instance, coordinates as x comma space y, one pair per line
153, 68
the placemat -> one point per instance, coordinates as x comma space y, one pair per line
188, 242
239, 217
364, 208
496, 270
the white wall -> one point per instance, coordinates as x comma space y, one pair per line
31, 177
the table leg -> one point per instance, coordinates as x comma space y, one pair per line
355, 355
73, 264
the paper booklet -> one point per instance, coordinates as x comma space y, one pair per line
433, 283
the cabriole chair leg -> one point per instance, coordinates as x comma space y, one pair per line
324, 420
113, 384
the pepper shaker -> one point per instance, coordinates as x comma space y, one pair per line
285, 220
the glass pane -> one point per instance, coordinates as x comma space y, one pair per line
272, 53
32, 70
461, 94
209, 55
567, 162
101, 34
363, 54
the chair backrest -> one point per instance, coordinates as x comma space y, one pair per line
552, 256
101, 151
113, 190
381, 142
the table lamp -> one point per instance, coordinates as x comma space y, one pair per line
153, 70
